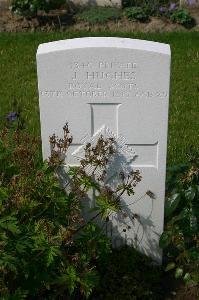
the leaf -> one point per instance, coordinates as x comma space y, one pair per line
88, 183
3, 193
184, 214
68, 279
193, 223
187, 277
53, 251
88, 281
170, 266
165, 239
19, 295
178, 273
9, 223
171, 204
73, 171
190, 193
72, 278
106, 206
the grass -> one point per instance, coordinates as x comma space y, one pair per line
18, 80
96, 15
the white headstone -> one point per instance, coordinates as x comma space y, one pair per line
121, 86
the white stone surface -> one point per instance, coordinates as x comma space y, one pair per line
108, 3
122, 84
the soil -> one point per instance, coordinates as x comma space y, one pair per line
62, 20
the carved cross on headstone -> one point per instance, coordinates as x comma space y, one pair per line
107, 114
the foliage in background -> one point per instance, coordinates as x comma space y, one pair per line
100, 15
150, 6
142, 10
136, 14
180, 240
183, 17
48, 250
29, 8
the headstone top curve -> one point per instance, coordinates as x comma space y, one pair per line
104, 42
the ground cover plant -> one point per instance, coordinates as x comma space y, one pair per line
136, 14
181, 236
142, 10
182, 16
49, 250
38, 253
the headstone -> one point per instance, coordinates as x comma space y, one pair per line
113, 86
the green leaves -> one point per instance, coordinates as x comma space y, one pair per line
180, 238
182, 16
178, 273
165, 239
170, 266
187, 278
3, 194
39, 219
106, 205
69, 279
28, 8
88, 281
9, 223
95, 15
136, 14
88, 183
52, 252
171, 204
190, 193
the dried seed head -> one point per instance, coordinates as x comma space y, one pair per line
150, 194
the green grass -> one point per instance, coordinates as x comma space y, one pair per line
19, 82
96, 15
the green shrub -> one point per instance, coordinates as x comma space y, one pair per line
48, 249
30, 7
182, 16
150, 5
136, 14
100, 15
181, 236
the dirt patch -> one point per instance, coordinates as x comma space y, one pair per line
44, 22
187, 293
124, 25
